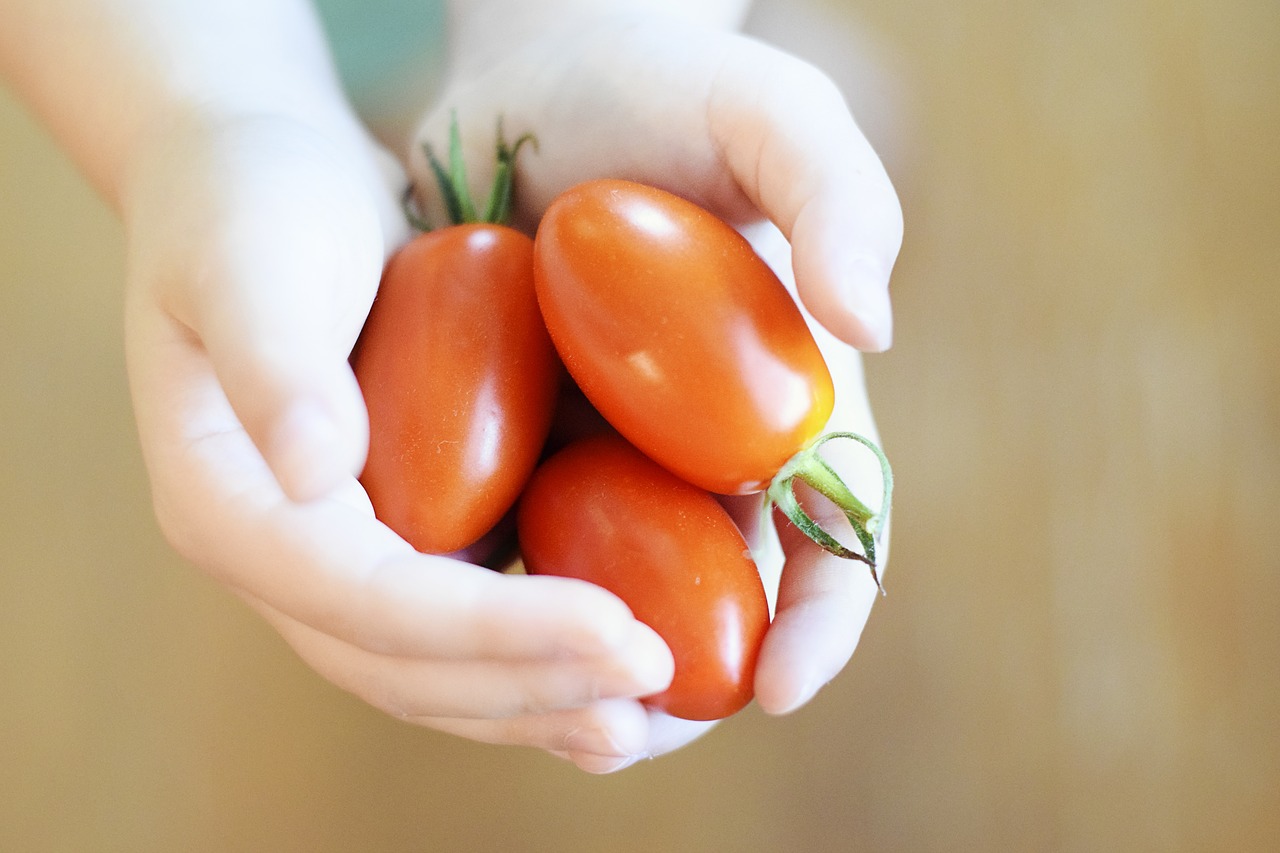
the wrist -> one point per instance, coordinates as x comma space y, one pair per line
105, 75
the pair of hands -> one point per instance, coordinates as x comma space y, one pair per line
256, 244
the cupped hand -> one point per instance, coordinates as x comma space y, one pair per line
765, 141
255, 246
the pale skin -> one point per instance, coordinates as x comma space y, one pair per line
258, 214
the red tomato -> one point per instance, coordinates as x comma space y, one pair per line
679, 334
601, 511
460, 381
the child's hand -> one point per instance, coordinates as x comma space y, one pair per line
255, 249
743, 129
757, 137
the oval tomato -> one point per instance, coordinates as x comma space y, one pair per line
460, 380
601, 511
679, 334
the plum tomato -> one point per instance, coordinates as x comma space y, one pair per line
459, 377
601, 511
679, 334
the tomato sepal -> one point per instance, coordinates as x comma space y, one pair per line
451, 177
810, 468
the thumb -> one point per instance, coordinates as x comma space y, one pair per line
294, 394
276, 284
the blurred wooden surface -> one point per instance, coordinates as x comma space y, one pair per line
1081, 646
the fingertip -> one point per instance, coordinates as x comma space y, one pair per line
310, 453
807, 645
855, 307
788, 698
782, 689
864, 288
638, 658
614, 735
634, 651
844, 286
649, 660
668, 733
596, 765
302, 451
601, 765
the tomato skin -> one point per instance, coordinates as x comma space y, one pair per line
679, 334
460, 381
602, 512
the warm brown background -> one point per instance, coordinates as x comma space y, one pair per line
1081, 648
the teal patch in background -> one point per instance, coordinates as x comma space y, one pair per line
383, 48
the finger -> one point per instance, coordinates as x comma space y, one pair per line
823, 600
823, 604
471, 689
724, 120
729, 122
786, 134
746, 130
600, 738
341, 573
598, 765
275, 285
329, 563
668, 733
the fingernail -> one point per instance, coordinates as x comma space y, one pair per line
306, 452
601, 765
803, 696
866, 294
597, 764
593, 741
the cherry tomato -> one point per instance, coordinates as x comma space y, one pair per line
460, 380
601, 511
679, 334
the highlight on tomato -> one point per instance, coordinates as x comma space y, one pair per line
693, 349
457, 371
601, 511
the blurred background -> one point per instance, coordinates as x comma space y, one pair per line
1080, 649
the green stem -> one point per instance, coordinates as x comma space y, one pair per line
449, 193
810, 468
458, 172
498, 208
451, 177
411, 212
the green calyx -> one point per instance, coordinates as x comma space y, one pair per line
451, 177
810, 468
